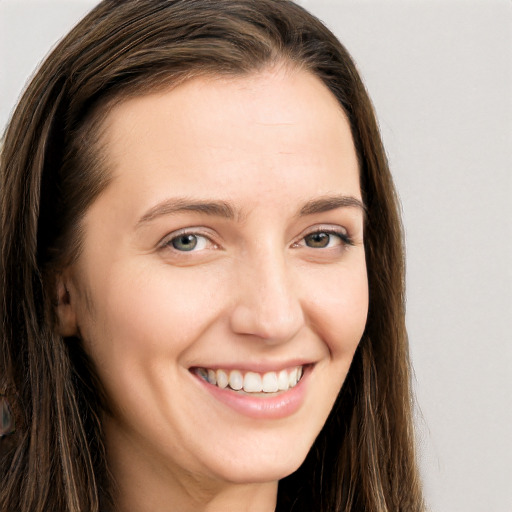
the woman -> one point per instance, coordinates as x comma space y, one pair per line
203, 272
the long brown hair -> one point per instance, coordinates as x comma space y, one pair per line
52, 170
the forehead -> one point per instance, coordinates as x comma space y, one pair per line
267, 129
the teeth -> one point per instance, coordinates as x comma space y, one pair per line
203, 373
252, 382
236, 380
212, 377
292, 377
270, 382
222, 379
282, 380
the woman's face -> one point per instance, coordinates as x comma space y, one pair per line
226, 252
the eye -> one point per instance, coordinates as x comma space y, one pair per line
318, 240
187, 242
325, 239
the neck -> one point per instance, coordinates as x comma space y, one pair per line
200, 496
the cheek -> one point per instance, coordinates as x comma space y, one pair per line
143, 312
339, 310
145, 321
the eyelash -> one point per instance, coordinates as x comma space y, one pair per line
168, 243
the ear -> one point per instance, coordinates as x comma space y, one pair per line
65, 308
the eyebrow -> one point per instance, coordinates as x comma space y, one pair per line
225, 210
331, 202
176, 205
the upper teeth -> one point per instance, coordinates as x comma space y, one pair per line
252, 382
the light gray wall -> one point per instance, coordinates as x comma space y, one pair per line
440, 75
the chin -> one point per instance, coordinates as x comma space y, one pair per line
257, 470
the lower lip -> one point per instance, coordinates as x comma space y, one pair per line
275, 406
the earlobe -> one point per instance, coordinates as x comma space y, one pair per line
65, 309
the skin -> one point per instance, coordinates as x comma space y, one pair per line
252, 292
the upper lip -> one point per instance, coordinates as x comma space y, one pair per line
256, 366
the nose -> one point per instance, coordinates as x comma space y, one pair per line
267, 302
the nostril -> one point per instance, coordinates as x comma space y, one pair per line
266, 304
267, 322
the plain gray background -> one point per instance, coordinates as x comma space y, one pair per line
440, 75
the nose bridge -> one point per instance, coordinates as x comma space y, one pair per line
267, 303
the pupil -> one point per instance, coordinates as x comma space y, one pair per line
318, 240
185, 242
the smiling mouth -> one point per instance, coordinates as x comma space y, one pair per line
251, 382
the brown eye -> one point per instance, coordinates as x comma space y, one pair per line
318, 240
326, 239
